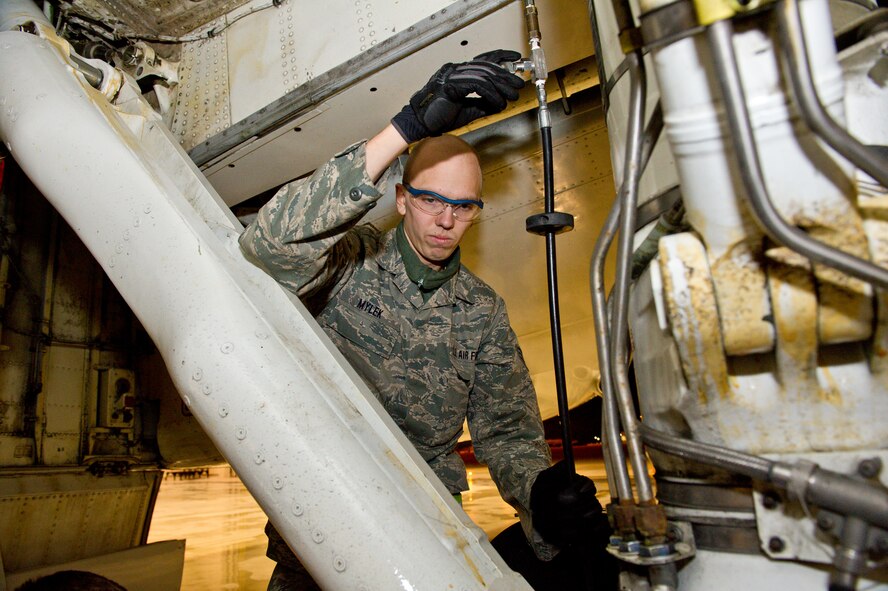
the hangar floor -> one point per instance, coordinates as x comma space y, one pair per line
223, 525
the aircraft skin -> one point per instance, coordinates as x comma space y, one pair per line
102, 391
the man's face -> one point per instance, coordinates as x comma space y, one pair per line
435, 237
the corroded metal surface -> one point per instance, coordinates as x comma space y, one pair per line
742, 301
153, 18
690, 297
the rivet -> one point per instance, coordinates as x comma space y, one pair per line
111, 262
223, 411
339, 564
136, 222
277, 482
298, 509
240, 433
207, 389
258, 459
227, 348
318, 536
197, 375
147, 209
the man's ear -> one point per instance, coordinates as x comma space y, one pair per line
401, 199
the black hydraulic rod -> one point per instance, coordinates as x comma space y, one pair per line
554, 308
548, 224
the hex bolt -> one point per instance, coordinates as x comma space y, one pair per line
770, 500
870, 467
826, 522
776, 544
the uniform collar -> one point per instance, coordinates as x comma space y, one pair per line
390, 259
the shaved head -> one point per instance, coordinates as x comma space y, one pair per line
447, 166
444, 148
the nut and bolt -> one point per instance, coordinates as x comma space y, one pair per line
870, 467
826, 522
776, 544
770, 500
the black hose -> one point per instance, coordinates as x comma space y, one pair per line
554, 310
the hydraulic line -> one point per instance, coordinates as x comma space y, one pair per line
792, 40
612, 443
554, 308
619, 329
827, 489
610, 411
720, 35
550, 223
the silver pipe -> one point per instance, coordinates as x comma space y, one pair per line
613, 445
719, 35
711, 455
830, 490
792, 41
628, 198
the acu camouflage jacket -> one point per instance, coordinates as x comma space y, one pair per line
431, 364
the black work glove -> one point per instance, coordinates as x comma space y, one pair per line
444, 104
565, 510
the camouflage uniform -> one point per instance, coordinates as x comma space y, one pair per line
431, 364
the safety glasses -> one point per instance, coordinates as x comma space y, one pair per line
465, 210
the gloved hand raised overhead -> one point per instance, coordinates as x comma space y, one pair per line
565, 510
444, 104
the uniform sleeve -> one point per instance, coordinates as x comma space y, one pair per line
504, 422
293, 232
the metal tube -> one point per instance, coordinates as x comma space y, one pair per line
712, 455
719, 35
628, 198
792, 41
824, 488
610, 413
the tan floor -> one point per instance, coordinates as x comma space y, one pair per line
222, 524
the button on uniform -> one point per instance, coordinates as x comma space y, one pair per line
355, 194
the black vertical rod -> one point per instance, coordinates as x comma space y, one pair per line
554, 309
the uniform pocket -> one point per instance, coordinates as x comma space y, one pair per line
365, 332
463, 355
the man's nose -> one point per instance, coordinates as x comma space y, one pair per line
445, 218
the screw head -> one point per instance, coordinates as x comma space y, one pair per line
770, 500
826, 522
870, 467
776, 544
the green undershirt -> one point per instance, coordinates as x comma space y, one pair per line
426, 278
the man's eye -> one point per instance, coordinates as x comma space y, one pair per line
464, 207
429, 200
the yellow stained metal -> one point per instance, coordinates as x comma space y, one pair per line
876, 227
693, 311
742, 302
846, 307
